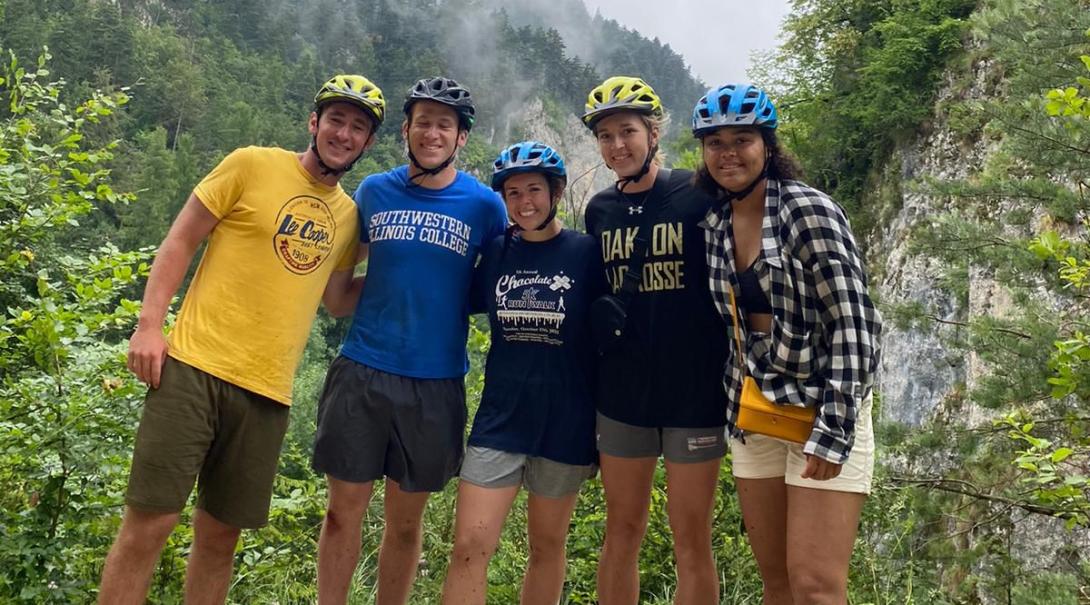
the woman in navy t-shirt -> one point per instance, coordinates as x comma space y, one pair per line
535, 422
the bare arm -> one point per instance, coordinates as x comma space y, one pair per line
148, 347
342, 291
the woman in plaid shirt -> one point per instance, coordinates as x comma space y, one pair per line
810, 334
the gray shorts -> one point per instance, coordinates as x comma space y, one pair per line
373, 424
684, 445
491, 468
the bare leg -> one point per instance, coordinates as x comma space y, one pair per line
339, 543
818, 554
764, 510
401, 541
208, 573
690, 501
548, 531
131, 561
478, 522
627, 483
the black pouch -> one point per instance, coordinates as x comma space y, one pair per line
607, 319
609, 312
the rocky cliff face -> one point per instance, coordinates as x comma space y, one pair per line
586, 173
922, 379
919, 371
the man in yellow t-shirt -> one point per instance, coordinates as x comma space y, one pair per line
282, 235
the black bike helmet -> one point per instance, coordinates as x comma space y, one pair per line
445, 91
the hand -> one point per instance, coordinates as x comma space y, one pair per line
820, 469
147, 355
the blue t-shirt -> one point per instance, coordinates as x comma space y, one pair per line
539, 379
411, 319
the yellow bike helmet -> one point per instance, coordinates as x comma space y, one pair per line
621, 93
357, 90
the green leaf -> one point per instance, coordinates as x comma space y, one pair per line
1062, 454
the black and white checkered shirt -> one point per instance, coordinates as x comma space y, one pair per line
822, 350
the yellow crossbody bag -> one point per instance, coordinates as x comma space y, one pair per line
756, 414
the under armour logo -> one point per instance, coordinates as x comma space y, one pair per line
635, 209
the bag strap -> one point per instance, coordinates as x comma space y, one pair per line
737, 330
633, 274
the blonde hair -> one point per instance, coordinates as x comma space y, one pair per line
658, 125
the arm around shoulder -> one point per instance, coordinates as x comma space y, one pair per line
343, 289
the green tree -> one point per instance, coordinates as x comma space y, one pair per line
1018, 223
66, 403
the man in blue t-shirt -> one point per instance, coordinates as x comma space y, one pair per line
393, 404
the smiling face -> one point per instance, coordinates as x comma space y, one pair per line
342, 132
734, 156
624, 141
433, 133
528, 199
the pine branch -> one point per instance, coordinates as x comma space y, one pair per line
962, 324
964, 488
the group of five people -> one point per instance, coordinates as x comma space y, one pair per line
609, 349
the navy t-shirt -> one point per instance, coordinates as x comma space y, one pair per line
411, 319
668, 370
540, 373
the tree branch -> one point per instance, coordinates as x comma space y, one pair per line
962, 324
964, 488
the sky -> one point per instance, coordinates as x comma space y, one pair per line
699, 30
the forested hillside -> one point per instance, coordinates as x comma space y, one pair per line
956, 133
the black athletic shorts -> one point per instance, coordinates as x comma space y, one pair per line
372, 424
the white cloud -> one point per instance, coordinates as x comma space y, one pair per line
716, 37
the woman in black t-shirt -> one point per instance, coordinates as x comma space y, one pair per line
659, 390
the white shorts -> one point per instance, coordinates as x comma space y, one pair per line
762, 457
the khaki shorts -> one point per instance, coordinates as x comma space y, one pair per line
762, 457
196, 427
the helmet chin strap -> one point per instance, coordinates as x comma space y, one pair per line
515, 229
627, 180
549, 219
741, 195
426, 172
326, 168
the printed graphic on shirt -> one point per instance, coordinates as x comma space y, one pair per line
530, 306
664, 268
428, 227
305, 235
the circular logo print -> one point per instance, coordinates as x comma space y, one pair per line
304, 237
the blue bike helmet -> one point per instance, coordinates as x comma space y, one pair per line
733, 105
527, 156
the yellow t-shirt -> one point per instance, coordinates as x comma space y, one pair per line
248, 311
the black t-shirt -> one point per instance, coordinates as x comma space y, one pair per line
539, 380
668, 373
